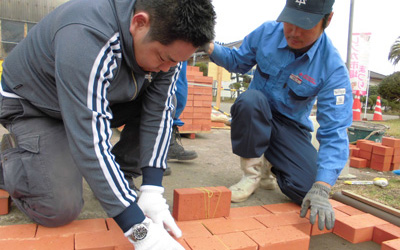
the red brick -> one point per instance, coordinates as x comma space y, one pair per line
380, 166
5, 202
202, 243
201, 203
315, 230
282, 219
202, 110
391, 142
391, 245
194, 73
282, 207
42, 243
349, 210
386, 232
103, 240
232, 225
196, 127
77, 226
380, 149
205, 127
203, 98
396, 151
394, 166
112, 225
355, 152
238, 241
186, 128
365, 145
183, 243
18, 231
129, 247
357, 228
396, 159
197, 103
203, 79
240, 212
192, 68
365, 154
335, 203
285, 237
191, 229
356, 162
381, 158
206, 116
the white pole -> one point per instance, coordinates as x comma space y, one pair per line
366, 97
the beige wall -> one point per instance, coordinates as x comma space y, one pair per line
212, 72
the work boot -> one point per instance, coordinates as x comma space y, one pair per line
176, 150
268, 180
250, 181
167, 171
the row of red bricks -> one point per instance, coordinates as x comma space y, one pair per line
197, 112
245, 228
384, 156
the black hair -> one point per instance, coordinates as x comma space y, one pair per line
325, 21
191, 21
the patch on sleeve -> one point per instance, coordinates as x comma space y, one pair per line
340, 100
339, 91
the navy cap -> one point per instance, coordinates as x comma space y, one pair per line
305, 13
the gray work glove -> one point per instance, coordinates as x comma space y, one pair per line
317, 199
157, 238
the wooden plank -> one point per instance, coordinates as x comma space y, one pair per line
373, 203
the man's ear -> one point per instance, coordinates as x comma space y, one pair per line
140, 21
329, 20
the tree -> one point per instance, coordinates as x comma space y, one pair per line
390, 87
203, 68
394, 54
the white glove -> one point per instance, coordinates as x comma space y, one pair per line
154, 206
156, 239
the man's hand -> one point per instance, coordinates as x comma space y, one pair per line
317, 199
156, 238
154, 206
206, 48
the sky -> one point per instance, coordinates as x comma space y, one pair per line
237, 18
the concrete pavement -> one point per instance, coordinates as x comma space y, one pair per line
215, 166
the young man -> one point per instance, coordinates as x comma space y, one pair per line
297, 64
87, 67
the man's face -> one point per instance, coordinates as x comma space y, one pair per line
152, 55
298, 38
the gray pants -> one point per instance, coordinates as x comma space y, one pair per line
40, 174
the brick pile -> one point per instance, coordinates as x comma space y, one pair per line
197, 113
384, 156
212, 226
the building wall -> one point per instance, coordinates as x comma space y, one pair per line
17, 17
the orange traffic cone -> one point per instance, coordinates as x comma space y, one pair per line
357, 107
378, 110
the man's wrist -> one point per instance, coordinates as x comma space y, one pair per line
324, 183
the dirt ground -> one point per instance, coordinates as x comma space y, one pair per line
215, 166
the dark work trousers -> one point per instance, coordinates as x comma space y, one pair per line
40, 174
257, 131
127, 150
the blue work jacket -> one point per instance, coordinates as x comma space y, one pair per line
292, 85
